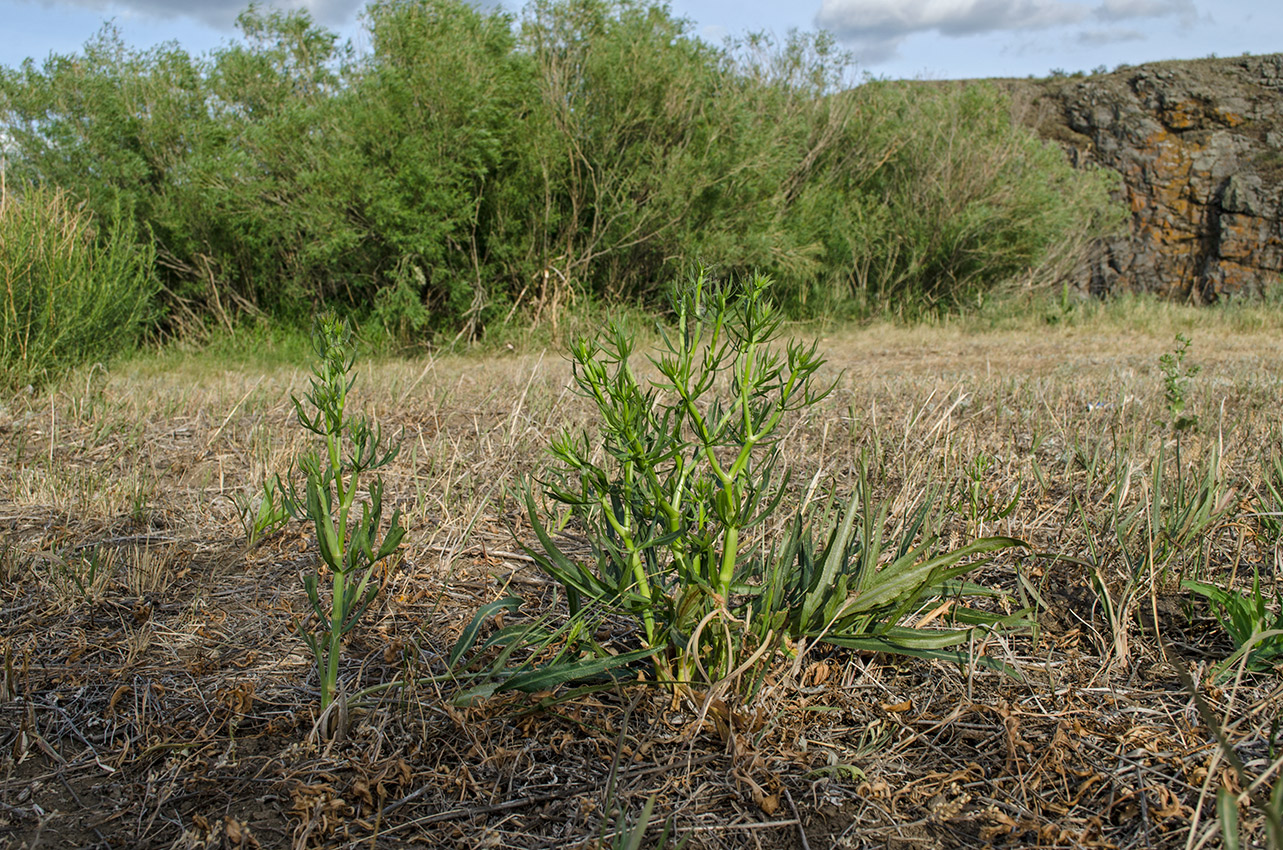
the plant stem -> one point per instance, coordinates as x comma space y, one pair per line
730, 553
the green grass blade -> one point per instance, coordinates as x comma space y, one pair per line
834, 558
1227, 811
892, 584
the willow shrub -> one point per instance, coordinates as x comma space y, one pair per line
72, 289
939, 196
468, 169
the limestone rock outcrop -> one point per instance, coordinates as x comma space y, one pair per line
1199, 145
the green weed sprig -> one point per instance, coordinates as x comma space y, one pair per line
976, 502
1257, 632
1183, 513
349, 546
687, 476
262, 516
1176, 377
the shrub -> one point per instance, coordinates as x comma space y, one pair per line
594, 150
72, 289
443, 118
945, 196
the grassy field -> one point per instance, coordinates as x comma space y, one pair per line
156, 693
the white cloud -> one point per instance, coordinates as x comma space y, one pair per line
1121, 10
875, 29
866, 19
876, 51
1096, 37
714, 33
220, 13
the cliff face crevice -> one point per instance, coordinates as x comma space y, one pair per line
1199, 145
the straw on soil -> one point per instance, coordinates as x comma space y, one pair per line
155, 692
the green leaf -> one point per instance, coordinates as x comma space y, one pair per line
1227, 812
469, 634
835, 555
476, 694
1274, 815
392, 540
636, 833
554, 562
550, 677
894, 584
513, 635
898, 637
921, 644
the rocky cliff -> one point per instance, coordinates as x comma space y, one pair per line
1199, 145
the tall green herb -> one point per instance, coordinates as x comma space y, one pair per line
350, 544
676, 506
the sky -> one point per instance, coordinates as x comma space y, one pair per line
933, 39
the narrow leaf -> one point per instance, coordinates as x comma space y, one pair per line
469, 634
550, 677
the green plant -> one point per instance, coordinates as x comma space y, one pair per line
550, 655
852, 584
1270, 806
350, 547
263, 515
1064, 308
676, 509
1257, 632
399, 307
1183, 510
1176, 377
72, 288
1120, 533
1182, 514
88, 571
10, 562
1271, 515
630, 836
975, 501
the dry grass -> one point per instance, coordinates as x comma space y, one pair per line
155, 694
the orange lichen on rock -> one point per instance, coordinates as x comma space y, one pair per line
1229, 119
1183, 115
1194, 142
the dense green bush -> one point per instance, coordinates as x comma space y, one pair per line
468, 167
71, 290
444, 124
949, 197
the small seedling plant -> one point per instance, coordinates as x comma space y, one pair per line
262, 516
679, 494
349, 543
1183, 513
976, 502
1257, 632
1176, 378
